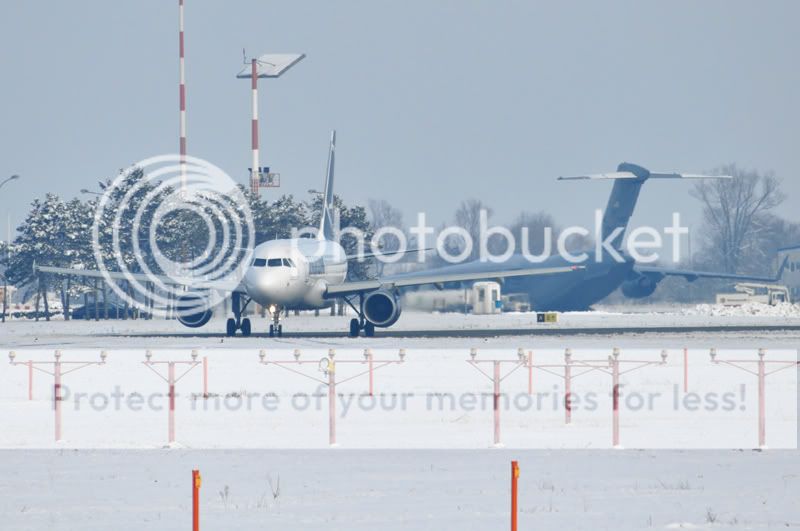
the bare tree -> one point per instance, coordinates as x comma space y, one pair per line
532, 239
468, 217
732, 209
382, 214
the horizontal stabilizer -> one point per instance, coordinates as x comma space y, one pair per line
651, 175
628, 181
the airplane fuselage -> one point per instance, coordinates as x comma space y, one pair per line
573, 292
293, 273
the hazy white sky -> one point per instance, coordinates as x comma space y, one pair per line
434, 101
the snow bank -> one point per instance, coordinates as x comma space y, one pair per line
783, 309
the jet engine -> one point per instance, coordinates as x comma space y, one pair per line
639, 287
193, 310
382, 308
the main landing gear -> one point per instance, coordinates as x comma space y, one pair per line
237, 323
360, 323
276, 328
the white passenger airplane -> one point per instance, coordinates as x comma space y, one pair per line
306, 274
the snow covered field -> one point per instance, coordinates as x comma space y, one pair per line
423, 464
399, 490
434, 399
163, 333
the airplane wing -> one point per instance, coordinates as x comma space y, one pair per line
432, 277
363, 256
191, 282
691, 276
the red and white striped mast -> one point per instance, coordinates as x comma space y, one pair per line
255, 170
269, 65
182, 91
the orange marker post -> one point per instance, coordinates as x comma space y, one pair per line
514, 479
196, 481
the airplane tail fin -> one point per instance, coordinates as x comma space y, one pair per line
628, 181
326, 224
781, 269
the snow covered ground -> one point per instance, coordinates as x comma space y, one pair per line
427, 463
433, 399
163, 333
399, 490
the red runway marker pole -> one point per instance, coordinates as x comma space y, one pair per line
514, 508
196, 482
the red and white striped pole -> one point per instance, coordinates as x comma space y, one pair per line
254, 173
182, 96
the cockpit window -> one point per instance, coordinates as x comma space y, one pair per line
259, 262
288, 262
274, 262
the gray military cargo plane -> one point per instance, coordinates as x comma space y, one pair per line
598, 277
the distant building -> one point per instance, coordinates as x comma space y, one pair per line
11, 290
791, 275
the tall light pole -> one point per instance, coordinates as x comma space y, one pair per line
12, 178
265, 66
8, 252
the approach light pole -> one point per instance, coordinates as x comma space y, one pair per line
58, 372
8, 253
327, 366
761, 373
171, 379
264, 66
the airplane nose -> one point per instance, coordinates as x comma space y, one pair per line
269, 283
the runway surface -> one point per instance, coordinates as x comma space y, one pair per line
491, 332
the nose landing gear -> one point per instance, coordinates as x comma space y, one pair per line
276, 328
237, 323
